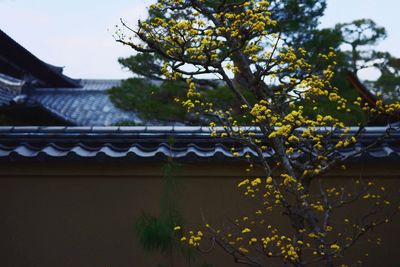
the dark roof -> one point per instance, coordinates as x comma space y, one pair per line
89, 105
10, 88
28, 81
130, 143
18, 62
371, 99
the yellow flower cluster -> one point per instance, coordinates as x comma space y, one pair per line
193, 239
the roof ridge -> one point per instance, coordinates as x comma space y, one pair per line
171, 129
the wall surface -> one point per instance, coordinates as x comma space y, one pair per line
83, 214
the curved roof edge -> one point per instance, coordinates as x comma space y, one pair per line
16, 61
154, 142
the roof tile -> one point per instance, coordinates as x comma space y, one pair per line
190, 143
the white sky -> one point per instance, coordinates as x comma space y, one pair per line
77, 34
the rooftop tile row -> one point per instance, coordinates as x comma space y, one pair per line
106, 143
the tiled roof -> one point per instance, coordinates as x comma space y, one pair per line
86, 106
98, 84
78, 102
129, 143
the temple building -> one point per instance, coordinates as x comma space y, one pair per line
33, 92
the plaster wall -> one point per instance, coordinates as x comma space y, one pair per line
83, 214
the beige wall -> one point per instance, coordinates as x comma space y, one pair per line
82, 214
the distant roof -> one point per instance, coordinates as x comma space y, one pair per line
16, 61
86, 106
180, 142
26, 80
369, 98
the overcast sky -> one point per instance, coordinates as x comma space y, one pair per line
77, 34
